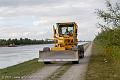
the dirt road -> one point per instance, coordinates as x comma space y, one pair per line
43, 73
74, 72
77, 71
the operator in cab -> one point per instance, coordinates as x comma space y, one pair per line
68, 32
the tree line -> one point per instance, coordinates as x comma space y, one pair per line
110, 26
25, 41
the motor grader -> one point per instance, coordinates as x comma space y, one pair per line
66, 46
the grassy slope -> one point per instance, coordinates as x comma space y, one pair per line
104, 64
17, 71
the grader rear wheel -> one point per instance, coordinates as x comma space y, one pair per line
81, 55
81, 51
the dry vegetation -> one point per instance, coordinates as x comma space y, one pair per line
104, 63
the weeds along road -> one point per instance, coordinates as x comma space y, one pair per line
63, 71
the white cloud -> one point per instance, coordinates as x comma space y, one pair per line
46, 13
40, 22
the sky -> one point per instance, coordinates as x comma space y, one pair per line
34, 19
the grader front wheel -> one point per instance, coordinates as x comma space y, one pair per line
75, 62
46, 49
47, 62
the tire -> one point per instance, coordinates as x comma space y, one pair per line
81, 48
46, 49
75, 62
81, 55
47, 62
81, 51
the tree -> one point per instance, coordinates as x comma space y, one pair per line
110, 29
111, 16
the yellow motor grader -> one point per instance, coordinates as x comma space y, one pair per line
66, 46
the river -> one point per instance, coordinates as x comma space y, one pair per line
10, 56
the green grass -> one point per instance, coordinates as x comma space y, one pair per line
104, 63
20, 70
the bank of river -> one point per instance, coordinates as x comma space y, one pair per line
21, 70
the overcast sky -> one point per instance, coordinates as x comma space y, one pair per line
34, 18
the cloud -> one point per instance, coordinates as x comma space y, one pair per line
40, 22
15, 3
35, 18
44, 7
28, 2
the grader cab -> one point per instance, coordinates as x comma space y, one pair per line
65, 36
66, 46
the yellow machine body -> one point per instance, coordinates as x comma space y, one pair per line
65, 36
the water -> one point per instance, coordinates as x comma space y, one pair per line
10, 56
14, 55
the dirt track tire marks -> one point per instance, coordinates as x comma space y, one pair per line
59, 72
44, 72
77, 71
